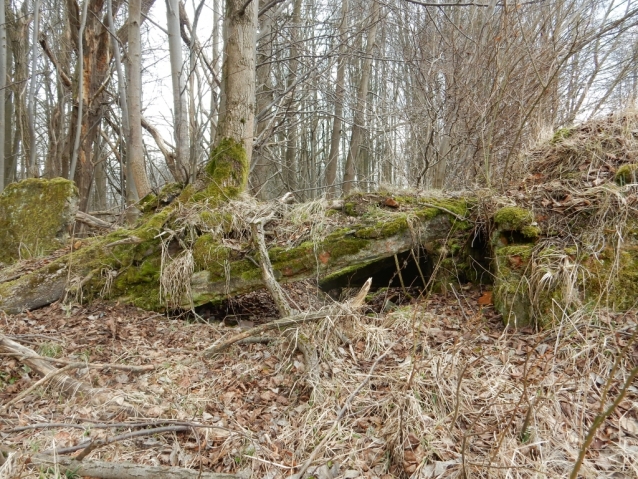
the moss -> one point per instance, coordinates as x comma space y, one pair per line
149, 203
385, 227
350, 209
35, 216
531, 231
153, 225
227, 172
616, 289
561, 134
513, 218
627, 174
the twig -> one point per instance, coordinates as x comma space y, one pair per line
341, 413
115, 424
449, 212
77, 364
598, 421
37, 384
283, 323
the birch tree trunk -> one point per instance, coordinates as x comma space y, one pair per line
180, 112
358, 128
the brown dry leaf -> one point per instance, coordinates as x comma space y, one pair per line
485, 299
392, 203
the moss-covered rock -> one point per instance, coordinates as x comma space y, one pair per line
36, 216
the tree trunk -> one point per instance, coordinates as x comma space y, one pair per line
237, 105
3, 83
340, 91
358, 128
219, 271
135, 151
180, 110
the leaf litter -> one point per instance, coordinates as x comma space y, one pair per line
456, 394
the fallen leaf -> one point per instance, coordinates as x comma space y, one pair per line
485, 299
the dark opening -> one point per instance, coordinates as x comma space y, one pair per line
384, 273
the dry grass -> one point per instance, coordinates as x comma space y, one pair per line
451, 397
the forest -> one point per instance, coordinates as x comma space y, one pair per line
318, 239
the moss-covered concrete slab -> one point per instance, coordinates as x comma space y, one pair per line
35, 217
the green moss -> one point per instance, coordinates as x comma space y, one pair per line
154, 224
348, 270
386, 226
513, 218
616, 289
561, 134
227, 172
531, 231
35, 215
627, 174
149, 203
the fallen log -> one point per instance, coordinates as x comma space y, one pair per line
358, 237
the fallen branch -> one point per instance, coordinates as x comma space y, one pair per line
121, 470
68, 386
267, 274
284, 323
94, 222
36, 385
120, 437
121, 367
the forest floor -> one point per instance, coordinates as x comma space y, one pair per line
435, 388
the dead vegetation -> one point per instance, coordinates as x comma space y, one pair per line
448, 395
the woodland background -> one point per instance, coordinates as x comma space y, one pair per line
349, 94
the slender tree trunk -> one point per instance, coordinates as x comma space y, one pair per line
358, 127
33, 167
340, 91
264, 97
180, 109
135, 151
3, 84
292, 159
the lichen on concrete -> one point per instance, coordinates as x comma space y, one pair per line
36, 216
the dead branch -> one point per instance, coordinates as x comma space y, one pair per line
76, 364
120, 437
94, 222
67, 385
267, 274
284, 323
122, 470
36, 385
